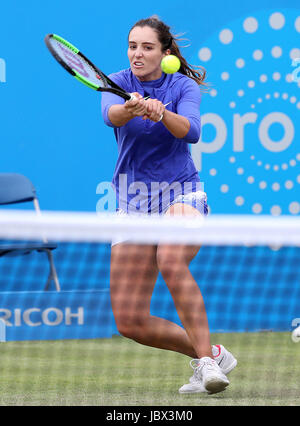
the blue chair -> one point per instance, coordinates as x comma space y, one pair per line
16, 188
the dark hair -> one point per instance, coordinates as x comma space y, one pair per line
169, 41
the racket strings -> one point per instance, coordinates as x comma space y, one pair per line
78, 63
81, 67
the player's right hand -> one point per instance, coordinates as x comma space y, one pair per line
136, 107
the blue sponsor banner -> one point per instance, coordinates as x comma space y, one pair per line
244, 288
56, 315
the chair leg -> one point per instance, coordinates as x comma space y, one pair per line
52, 273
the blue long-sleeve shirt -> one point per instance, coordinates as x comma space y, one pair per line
147, 151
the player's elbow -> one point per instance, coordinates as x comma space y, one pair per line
194, 132
105, 116
193, 138
108, 122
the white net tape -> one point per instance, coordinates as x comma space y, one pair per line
212, 230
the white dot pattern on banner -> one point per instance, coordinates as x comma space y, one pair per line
258, 55
239, 201
262, 87
277, 21
240, 63
276, 76
294, 207
226, 36
205, 54
263, 78
276, 52
275, 210
295, 53
288, 184
263, 185
224, 188
225, 76
257, 208
250, 25
276, 186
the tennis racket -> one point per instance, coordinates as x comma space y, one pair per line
80, 67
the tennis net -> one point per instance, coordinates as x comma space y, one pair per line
66, 345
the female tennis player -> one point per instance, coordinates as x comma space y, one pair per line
153, 148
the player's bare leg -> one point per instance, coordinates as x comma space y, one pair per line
173, 262
134, 272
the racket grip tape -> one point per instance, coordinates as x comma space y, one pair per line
132, 97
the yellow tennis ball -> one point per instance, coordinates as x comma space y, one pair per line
170, 64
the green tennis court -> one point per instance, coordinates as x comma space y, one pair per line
120, 372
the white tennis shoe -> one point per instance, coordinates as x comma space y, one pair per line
202, 380
225, 360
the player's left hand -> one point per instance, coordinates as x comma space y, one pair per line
155, 110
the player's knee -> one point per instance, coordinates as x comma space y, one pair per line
124, 330
131, 327
169, 264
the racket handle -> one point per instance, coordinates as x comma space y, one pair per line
132, 97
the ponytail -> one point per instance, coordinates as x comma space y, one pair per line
196, 73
